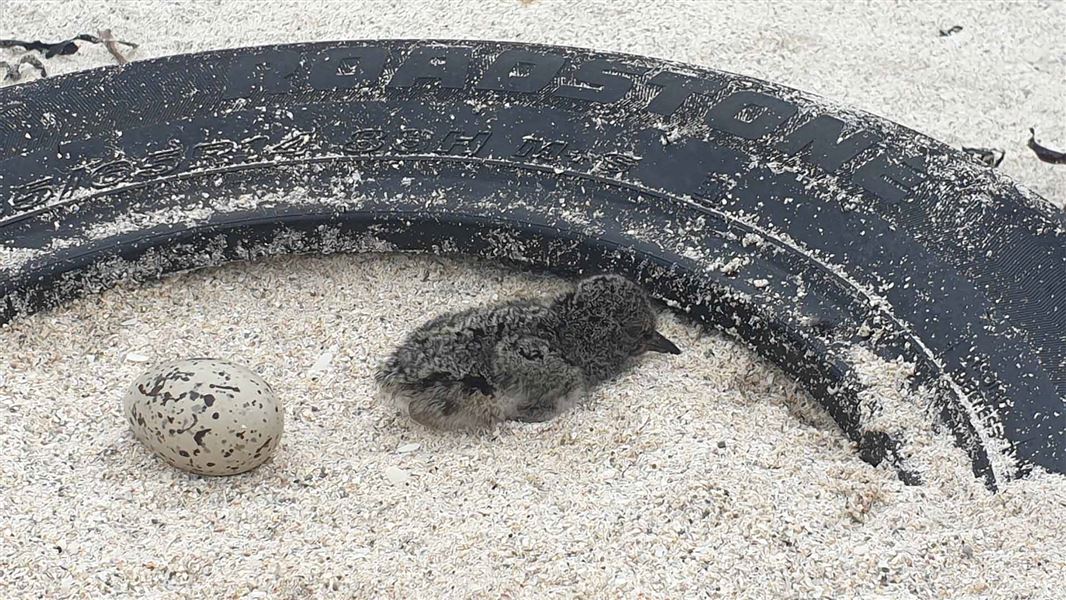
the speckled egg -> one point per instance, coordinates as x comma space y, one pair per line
206, 416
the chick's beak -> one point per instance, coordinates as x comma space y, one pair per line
656, 342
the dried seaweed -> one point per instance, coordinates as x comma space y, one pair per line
112, 46
64, 48
990, 157
1044, 153
950, 31
11, 70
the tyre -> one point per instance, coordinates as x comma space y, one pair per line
840, 246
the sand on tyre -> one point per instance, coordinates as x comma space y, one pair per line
837, 244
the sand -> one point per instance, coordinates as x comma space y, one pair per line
705, 474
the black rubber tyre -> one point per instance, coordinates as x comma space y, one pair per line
806, 230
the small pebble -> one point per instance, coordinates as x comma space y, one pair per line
322, 363
134, 357
408, 448
396, 475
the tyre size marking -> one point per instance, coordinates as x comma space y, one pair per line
413, 141
539, 149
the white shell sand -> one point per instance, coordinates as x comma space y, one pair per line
693, 475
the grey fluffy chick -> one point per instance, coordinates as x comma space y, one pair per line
523, 360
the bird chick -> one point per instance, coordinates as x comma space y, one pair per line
526, 360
